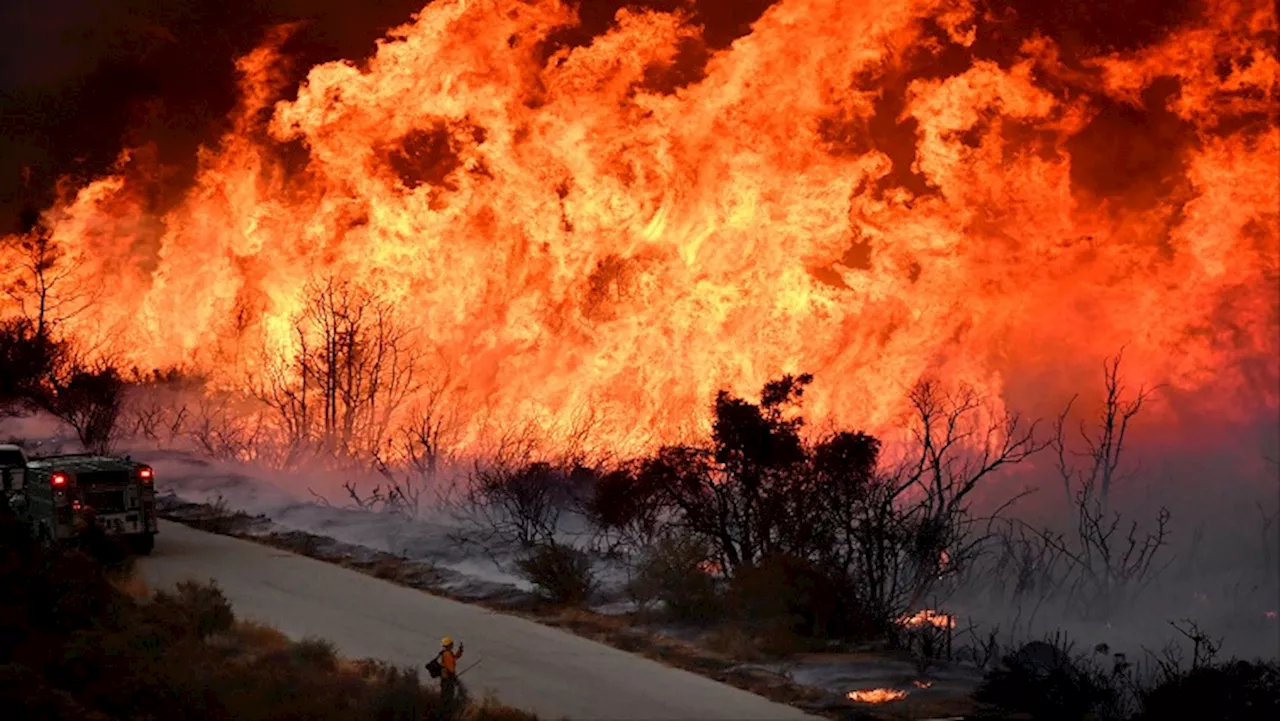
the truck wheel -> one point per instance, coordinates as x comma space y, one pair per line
143, 544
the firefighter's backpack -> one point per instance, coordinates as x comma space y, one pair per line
434, 668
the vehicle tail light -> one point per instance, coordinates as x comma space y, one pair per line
58, 479
145, 474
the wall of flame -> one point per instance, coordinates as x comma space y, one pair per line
602, 227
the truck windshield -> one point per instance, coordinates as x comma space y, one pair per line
9, 458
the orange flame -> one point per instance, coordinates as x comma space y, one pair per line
928, 617
877, 695
566, 235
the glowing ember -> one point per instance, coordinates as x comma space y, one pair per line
922, 684
877, 695
864, 189
929, 617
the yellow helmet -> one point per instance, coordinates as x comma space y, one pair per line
446, 642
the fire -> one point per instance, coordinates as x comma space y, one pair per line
877, 695
928, 617
572, 232
922, 684
711, 568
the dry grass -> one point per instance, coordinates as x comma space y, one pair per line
133, 586
257, 636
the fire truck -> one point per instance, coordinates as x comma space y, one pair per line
62, 496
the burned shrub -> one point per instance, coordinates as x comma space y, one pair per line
521, 503
1042, 680
562, 574
1235, 691
791, 593
676, 573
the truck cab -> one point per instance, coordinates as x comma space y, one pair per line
13, 471
64, 495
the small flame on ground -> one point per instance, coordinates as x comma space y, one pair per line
711, 568
922, 684
928, 617
877, 695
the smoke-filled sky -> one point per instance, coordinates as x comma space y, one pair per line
81, 78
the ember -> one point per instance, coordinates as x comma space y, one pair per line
877, 695
929, 617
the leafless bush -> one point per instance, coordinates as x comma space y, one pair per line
157, 405
904, 532
929, 644
222, 427
349, 370
1172, 661
388, 498
411, 460
519, 503
981, 649
1106, 558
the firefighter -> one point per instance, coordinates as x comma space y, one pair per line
451, 691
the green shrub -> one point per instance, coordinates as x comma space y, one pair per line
561, 574
674, 573
784, 592
314, 653
201, 609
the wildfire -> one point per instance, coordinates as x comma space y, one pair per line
857, 188
876, 695
928, 617
922, 684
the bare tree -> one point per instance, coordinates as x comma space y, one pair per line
1110, 558
913, 527
1104, 445
42, 290
349, 371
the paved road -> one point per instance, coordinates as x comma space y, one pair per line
526, 665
